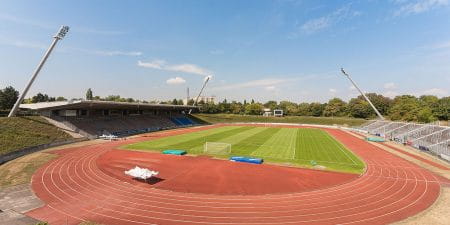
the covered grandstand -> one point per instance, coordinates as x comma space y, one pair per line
426, 137
95, 118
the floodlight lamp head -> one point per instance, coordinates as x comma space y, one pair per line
343, 71
62, 32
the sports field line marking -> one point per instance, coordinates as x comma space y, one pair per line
294, 137
340, 148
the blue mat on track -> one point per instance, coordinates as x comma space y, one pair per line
375, 139
173, 152
246, 159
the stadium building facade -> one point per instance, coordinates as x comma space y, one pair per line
94, 118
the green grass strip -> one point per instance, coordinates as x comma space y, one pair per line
250, 144
234, 138
171, 140
281, 145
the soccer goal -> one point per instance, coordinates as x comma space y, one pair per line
217, 148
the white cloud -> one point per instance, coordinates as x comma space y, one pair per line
436, 91
317, 24
155, 64
390, 94
189, 68
332, 91
25, 44
389, 85
176, 81
116, 53
185, 68
351, 88
103, 52
35, 45
267, 84
254, 83
270, 88
419, 6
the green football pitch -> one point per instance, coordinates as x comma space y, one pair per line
296, 146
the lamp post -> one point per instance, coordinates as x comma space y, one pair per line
201, 90
362, 93
58, 36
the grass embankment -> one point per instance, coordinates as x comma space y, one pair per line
293, 146
232, 118
21, 132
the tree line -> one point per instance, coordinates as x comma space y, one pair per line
426, 108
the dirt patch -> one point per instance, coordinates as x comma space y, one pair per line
438, 213
19, 171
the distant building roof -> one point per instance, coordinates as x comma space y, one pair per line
91, 104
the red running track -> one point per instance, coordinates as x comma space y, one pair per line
75, 189
214, 176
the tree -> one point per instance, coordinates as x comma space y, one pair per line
39, 97
303, 109
114, 98
271, 105
209, 108
442, 111
60, 98
430, 101
425, 115
8, 97
224, 107
359, 108
254, 109
316, 109
289, 108
89, 95
174, 101
335, 107
405, 107
237, 108
383, 104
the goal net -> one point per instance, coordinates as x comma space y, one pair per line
217, 148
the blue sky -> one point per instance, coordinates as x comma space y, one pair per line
266, 50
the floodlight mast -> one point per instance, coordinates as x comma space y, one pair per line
58, 36
200, 93
362, 93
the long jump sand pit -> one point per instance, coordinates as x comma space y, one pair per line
215, 176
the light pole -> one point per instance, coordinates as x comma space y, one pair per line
60, 35
362, 93
201, 90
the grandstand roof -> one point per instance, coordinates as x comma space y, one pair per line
91, 104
